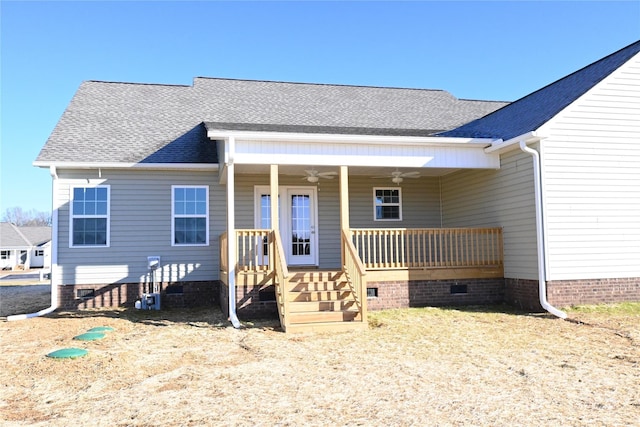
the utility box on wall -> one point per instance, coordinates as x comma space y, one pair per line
150, 301
153, 262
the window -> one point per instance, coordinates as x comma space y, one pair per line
5, 254
90, 216
39, 252
190, 214
387, 204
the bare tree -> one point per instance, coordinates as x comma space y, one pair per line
22, 218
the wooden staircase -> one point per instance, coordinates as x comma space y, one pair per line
320, 301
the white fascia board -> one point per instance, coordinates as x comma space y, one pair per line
107, 165
347, 139
390, 155
500, 146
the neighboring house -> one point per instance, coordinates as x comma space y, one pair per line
24, 247
387, 197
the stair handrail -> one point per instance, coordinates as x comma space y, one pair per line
281, 275
224, 259
356, 274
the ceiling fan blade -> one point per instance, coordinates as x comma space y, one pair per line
311, 172
410, 175
327, 175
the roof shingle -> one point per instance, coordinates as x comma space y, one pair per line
147, 123
532, 111
14, 237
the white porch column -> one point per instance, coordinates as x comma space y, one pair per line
27, 262
344, 205
275, 220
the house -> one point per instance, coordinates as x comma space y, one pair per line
24, 247
386, 197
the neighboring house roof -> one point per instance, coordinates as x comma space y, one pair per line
37, 236
13, 237
529, 113
150, 123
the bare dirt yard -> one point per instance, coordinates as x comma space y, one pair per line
428, 366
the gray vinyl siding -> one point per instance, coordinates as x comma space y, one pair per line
329, 223
140, 225
420, 202
501, 198
591, 172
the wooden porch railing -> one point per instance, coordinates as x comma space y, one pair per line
405, 248
260, 251
252, 249
224, 259
355, 273
279, 263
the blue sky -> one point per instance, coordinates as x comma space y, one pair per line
479, 50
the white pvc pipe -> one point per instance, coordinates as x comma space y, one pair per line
231, 234
54, 255
542, 284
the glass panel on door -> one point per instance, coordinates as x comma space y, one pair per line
265, 223
300, 225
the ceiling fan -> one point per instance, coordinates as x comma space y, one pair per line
397, 177
313, 176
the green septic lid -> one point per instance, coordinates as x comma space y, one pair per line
101, 329
68, 353
89, 336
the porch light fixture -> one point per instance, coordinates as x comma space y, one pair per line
397, 180
312, 179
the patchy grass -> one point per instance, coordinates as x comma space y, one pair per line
624, 309
423, 366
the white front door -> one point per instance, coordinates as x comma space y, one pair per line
298, 218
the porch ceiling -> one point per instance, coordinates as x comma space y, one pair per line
371, 171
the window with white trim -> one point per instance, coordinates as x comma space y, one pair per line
90, 216
190, 215
5, 254
39, 252
387, 204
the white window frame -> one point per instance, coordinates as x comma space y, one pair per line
174, 216
399, 204
73, 216
38, 252
5, 255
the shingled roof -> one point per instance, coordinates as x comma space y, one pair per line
529, 113
14, 237
150, 123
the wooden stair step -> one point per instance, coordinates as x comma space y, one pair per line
307, 296
309, 306
317, 286
321, 301
324, 316
319, 276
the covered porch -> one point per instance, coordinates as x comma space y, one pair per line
370, 257
352, 211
